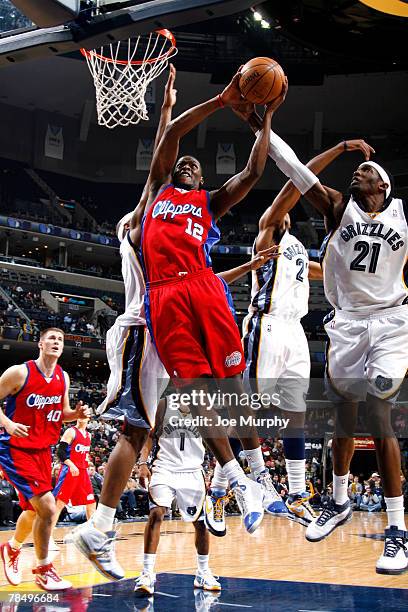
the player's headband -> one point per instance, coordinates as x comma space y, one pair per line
383, 175
121, 225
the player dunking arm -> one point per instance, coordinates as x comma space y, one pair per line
188, 315
363, 263
37, 395
175, 473
73, 482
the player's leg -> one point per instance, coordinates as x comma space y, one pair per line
45, 574
96, 538
204, 578
386, 368
145, 582
11, 551
90, 510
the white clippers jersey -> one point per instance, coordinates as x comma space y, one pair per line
364, 259
180, 448
280, 288
134, 284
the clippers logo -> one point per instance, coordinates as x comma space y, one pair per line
81, 448
166, 208
40, 401
233, 360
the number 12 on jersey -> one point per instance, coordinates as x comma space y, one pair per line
194, 229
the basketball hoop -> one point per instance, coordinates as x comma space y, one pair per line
122, 71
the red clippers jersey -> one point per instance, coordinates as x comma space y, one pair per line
38, 404
178, 234
78, 450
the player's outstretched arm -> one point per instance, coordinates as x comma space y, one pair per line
167, 151
289, 195
237, 187
11, 381
260, 259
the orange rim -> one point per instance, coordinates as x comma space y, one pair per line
166, 33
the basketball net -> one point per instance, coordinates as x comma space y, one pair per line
122, 72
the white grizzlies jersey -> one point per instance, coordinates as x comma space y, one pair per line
364, 258
133, 279
180, 447
280, 288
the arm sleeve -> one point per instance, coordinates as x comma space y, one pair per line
62, 451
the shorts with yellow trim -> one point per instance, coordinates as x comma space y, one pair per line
366, 354
137, 377
187, 488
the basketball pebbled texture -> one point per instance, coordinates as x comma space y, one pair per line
261, 80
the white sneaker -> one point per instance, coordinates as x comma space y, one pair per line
10, 558
332, 517
205, 601
299, 509
99, 548
249, 497
144, 584
47, 578
214, 514
206, 581
394, 559
272, 501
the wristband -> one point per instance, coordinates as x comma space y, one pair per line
139, 463
220, 102
345, 145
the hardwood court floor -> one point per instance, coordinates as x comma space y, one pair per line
277, 551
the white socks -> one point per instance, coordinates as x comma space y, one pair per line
296, 475
219, 481
202, 563
233, 471
103, 518
15, 544
340, 486
41, 562
395, 512
255, 460
149, 559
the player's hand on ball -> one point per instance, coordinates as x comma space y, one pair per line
231, 95
275, 104
359, 145
261, 258
18, 430
74, 470
170, 94
144, 476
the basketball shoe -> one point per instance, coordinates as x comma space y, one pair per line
99, 548
206, 581
47, 578
272, 501
333, 516
394, 559
10, 557
206, 600
249, 497
144, 584
299, 509
214, 512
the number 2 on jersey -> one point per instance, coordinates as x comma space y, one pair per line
364, 248
194, 229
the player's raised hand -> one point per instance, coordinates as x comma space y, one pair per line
144, 476
275, 104
359, 145
231, 95
262, 257
18, 430
170, 94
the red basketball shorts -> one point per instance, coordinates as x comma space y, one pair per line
29, 470
76, 489
193, 328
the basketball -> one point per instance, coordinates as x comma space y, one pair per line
262, 79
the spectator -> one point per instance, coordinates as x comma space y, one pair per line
96, 481
371, 502
7, 494
355, 491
